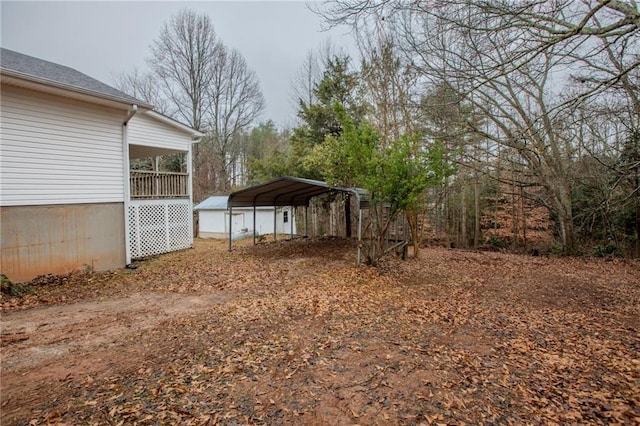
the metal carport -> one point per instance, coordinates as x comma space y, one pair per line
291, 191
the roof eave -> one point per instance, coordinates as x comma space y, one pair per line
54, 87
176, 124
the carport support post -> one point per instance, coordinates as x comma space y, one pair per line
254, 224
230, 225
275, 223
359, 233
292, 212
306, 215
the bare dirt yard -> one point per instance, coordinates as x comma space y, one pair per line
294, 333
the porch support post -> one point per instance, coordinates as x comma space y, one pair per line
156, 177
189, 161
230, 225
306, 215
254, 224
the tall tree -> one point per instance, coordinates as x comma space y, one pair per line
143, 86
211, 88
183, 58
309, 74
235, 102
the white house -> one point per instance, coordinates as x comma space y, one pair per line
213, 219
68, 199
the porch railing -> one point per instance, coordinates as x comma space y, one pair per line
155, 185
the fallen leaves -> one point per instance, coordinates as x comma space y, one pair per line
307, 337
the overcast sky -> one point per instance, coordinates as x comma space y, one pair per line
103, 39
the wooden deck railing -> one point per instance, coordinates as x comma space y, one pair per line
149, 185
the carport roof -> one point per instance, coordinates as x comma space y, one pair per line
289, 191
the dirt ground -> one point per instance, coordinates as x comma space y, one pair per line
294, 333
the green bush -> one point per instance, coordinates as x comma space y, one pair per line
12, 289
556, 249
496, 242
610, 249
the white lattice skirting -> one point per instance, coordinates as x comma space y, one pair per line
159, 226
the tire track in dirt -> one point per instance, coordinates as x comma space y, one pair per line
50, 345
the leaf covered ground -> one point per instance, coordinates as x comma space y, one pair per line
294, 333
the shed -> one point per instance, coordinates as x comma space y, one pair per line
213, 219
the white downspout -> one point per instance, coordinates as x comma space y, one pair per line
189, 160
126, 179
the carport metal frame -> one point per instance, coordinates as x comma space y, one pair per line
291, 191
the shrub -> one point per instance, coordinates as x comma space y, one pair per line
610, 249
13, 289
496, 242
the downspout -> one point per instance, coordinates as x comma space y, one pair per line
126, 180
189, 161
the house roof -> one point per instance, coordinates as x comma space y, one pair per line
289, 191
25, 67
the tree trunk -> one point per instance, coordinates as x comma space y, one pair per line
638, 214
565, 221
514, 213
524, 219
476, 196
463, 219
412, 220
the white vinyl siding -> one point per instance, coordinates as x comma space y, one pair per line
56, 150
147, 131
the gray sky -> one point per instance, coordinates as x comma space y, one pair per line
102, 39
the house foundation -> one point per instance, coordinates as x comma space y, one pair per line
58, 239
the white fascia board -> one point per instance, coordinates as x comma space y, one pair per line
171, 122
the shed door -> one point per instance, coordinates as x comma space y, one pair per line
237, 222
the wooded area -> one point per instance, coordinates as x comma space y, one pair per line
486, 123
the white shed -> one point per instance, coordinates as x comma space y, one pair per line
213, 219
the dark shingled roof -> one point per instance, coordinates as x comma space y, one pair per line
31, 68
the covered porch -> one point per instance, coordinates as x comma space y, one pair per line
158, 206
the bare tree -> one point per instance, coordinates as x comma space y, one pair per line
310, 73
571, 28
389, 88
235, 101
143, 86
511, 60
183, 59
306, 79
208, 87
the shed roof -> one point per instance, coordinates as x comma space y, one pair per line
218, 202
213, 203
289, 191
25, 67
